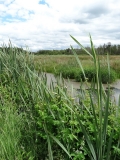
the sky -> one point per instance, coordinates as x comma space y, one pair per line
48, 24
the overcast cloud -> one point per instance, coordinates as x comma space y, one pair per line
48, 24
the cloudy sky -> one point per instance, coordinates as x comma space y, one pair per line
48, 24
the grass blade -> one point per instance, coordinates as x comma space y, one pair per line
60, 144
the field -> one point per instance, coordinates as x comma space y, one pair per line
38, 122
66, 64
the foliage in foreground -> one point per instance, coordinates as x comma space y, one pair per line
41, 122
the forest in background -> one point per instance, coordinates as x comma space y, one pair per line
102, 49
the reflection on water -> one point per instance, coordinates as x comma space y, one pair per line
116, 95
74, 86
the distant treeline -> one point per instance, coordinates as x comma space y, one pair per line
102, 49
54, 52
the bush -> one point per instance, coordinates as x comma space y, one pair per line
67, 71
89, 72
91, 75
105, 75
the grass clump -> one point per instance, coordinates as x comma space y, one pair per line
10, 124
67, 71
90, 74
76, 73
115, 65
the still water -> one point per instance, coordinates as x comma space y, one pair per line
74, 86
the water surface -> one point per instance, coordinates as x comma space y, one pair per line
73, 86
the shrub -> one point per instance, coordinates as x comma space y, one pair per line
67, 71
90, 74
106, 78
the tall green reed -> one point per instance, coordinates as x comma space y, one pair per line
10, 124
30, 96
101, 148
14, 66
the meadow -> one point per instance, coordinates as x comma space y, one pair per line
38, 122
67, 66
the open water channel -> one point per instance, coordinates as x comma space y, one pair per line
73, 87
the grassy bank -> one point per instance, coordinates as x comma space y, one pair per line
37, 122
66, 64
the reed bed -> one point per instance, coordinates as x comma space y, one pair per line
38, 122
67, 66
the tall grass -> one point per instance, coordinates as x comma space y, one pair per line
67, 66
102, 147
9, 128
38, 121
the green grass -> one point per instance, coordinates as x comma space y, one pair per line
91, 75
67, 66
41, 122
10, 124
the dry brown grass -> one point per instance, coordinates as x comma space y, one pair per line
59, 59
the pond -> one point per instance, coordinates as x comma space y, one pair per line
73, 86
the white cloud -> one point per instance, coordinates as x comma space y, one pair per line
48, 26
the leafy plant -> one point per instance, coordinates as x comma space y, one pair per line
102, 145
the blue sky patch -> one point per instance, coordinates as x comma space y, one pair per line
48, 19
43, 2
9, 18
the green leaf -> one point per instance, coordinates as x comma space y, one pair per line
60, 144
